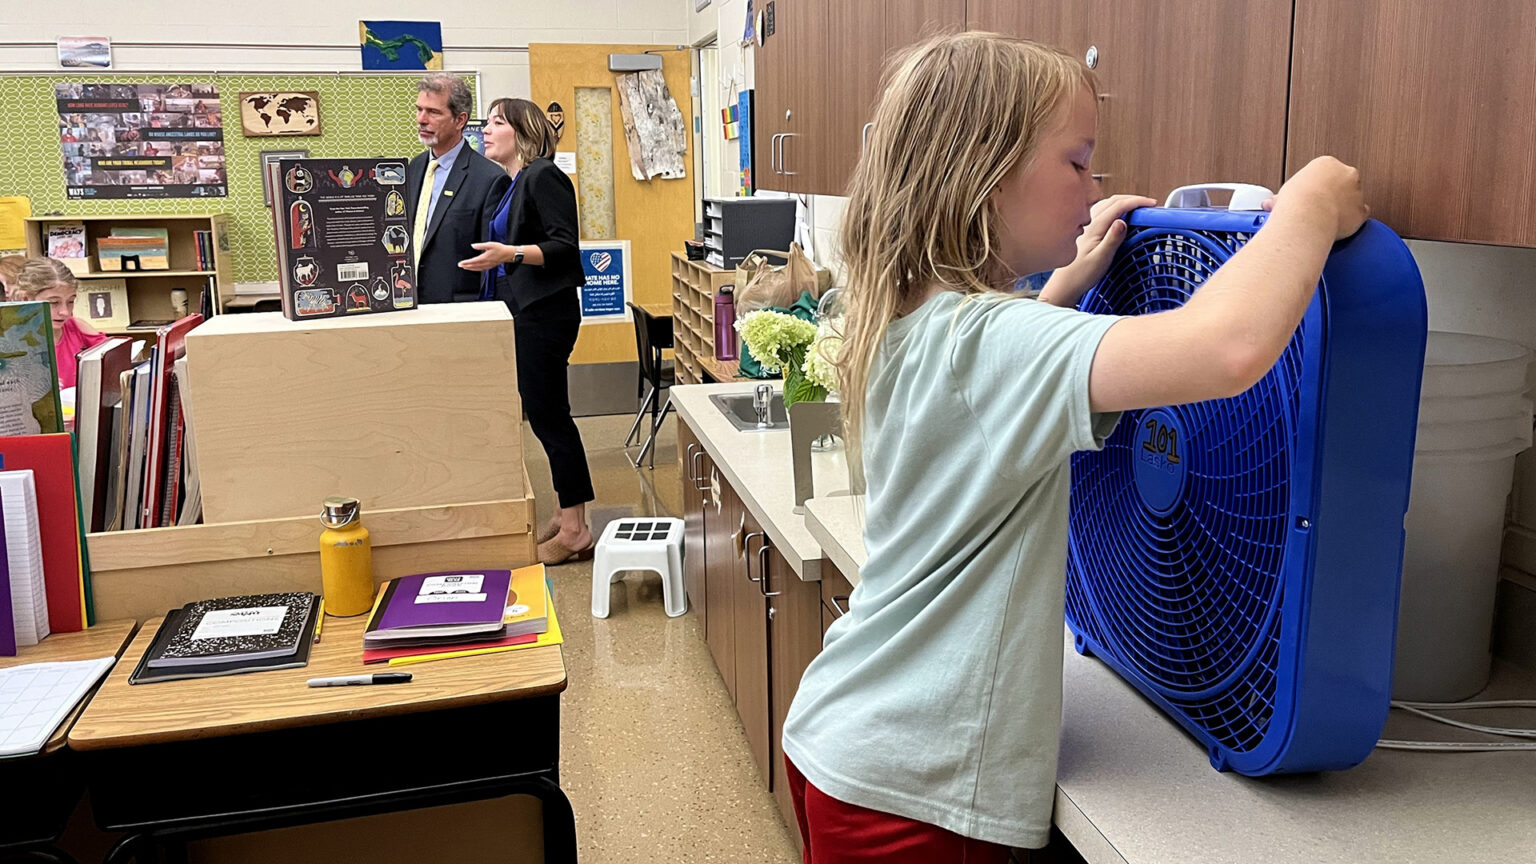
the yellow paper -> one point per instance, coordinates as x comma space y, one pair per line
13, 227
549, 637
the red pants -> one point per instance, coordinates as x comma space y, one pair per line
838, 833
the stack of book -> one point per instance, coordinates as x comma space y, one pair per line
138, 457
231, 635
204, 241
434, 616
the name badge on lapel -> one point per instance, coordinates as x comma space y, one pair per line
448, 192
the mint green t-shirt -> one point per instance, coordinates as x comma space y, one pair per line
938, 696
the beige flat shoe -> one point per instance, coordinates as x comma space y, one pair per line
552, 552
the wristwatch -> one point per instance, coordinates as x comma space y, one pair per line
517, 257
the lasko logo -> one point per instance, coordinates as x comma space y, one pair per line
601, 260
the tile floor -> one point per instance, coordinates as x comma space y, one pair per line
652, 755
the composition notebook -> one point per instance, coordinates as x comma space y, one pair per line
175, 622
231, 629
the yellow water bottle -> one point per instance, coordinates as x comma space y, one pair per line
346, 559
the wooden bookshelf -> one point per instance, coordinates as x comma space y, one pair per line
694, 285
149, 291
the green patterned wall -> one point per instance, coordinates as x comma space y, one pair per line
361, 115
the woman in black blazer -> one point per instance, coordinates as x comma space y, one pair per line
532, 262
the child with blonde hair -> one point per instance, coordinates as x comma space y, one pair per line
926, 730
47, 280
10, 268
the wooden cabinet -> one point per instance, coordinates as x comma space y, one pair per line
762, 622
1433, 102
789, 76
692, 465
1191, 91
694, 285
753, 703
855, 68
835, 591
724, 523
794, 640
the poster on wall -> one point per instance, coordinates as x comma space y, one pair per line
474, 133
343, 243
606, 266
401, 44
93, 52
141, 141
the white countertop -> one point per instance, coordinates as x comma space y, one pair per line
758, 466
1134, 788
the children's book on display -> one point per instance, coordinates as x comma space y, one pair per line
343, 237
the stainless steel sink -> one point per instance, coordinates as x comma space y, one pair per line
737, 408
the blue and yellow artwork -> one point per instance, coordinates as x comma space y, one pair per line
401, 44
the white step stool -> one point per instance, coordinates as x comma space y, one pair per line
640, 543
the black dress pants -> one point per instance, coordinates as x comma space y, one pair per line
546, 333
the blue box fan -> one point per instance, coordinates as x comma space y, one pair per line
1238, 560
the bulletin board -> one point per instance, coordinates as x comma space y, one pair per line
363, 115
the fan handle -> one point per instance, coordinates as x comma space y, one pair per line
1245, 196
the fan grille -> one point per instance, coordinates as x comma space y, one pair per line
1179, 524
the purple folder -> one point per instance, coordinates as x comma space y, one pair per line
7, 613
401, 608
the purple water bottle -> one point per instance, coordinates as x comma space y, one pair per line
725, 324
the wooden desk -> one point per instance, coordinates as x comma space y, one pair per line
51, 778
403, 746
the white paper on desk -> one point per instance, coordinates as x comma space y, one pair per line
24, 556
35, 699
237, 623
456, 588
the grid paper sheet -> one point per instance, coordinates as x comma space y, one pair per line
35, 699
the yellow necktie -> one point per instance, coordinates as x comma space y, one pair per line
423, 207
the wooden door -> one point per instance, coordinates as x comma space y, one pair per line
722, 524
752, 683
1191, 91
1434, 102
691, 460
794, 640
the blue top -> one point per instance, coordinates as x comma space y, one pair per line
499, 235
444, 165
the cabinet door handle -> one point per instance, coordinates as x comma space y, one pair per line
840, 603
693, 476
700, 482
746, 543
864, 137
782, 169
762, 568
773, 153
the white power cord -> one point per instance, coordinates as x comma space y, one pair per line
1421, 709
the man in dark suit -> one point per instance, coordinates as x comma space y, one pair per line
451, 192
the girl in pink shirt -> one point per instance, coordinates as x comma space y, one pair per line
46, 280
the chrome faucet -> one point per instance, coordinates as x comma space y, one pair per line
762, 399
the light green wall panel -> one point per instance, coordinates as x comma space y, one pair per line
372, 115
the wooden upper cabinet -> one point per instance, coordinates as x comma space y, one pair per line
1192, 91
1435, 103
789, 100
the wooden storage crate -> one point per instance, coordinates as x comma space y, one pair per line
143, 574
408, 409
